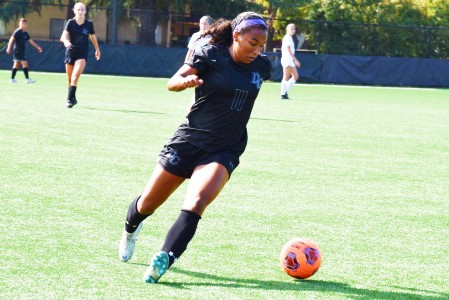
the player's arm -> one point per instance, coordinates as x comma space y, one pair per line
186, 77
94, 40
188, 55
65, 39
292, 53
35, 45
11, 42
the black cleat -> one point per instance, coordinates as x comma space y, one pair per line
284, 97
71, 103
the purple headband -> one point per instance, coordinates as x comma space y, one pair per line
249, 22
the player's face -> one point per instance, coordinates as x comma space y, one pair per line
23, 25
247, 46
80, 10
204, 25
291, 30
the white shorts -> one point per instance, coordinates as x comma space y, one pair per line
287, 61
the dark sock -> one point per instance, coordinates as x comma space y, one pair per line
14, 72
25, 71
134, 218
72, 91
180, 234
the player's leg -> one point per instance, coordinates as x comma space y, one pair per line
69, 66
78, 69
26, 71
159, 187
285, 78
15, 68
293, 78
205, 184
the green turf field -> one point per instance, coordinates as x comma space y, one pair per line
362, 171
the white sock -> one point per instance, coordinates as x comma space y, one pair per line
290, 83
283, 86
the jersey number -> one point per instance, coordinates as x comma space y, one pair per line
239, 99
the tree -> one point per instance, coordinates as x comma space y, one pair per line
11, 10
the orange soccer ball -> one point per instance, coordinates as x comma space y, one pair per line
300, 258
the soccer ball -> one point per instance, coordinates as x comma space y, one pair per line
300, 258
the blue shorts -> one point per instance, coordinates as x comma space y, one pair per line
70, 58
19, 56
180, 157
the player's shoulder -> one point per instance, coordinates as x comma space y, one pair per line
263, 62
195, 36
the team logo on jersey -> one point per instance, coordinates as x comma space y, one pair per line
85, 31
257, 80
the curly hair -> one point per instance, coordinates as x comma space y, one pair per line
222, 29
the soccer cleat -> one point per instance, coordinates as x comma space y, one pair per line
128, 244
284, 97
29, 80
158, 267
71, 103
12, 80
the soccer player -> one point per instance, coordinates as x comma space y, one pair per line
289, 62
197, 40
75, 39
17, 43
227, 75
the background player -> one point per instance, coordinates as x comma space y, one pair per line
75, 39
197, 40
288, 61
17, 43
227, 74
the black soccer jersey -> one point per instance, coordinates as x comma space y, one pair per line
223, 103
20, 40
79, 35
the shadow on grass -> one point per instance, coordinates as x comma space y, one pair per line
275, 120
300, 285
160, 113
122, 110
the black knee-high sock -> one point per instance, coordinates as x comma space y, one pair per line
180, 234
14, 72
25, 71
72, 91
134, 218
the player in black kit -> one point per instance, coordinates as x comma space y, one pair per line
17, 43
75, 39
227, 74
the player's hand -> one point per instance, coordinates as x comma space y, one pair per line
8, 51
192, 81
39, 49
67, 44
97, 55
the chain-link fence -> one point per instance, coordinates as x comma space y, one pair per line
154, 28
374, 39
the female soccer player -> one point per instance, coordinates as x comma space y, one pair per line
227, 74
197, 40
288, 61
17, 42
75, 39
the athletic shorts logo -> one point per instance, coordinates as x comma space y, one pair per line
174, 159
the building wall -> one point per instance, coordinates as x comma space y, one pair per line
168, 34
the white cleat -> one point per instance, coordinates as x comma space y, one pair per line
12, 80
128, 244
29, 80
